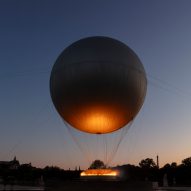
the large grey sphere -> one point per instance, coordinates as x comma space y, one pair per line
98, 85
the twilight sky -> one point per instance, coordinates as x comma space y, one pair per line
32, 35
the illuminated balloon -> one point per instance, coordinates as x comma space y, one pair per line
98, 85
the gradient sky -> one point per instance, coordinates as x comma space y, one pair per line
32, 35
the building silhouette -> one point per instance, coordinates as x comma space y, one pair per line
12, 165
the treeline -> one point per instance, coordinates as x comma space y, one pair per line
147, 170
172, 173
29, 175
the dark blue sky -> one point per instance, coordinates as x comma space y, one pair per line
32, 35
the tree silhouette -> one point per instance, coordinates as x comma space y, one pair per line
97, 164
147, 163
173, 165
187, 162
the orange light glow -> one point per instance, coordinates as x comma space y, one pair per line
99, 172
99, 120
